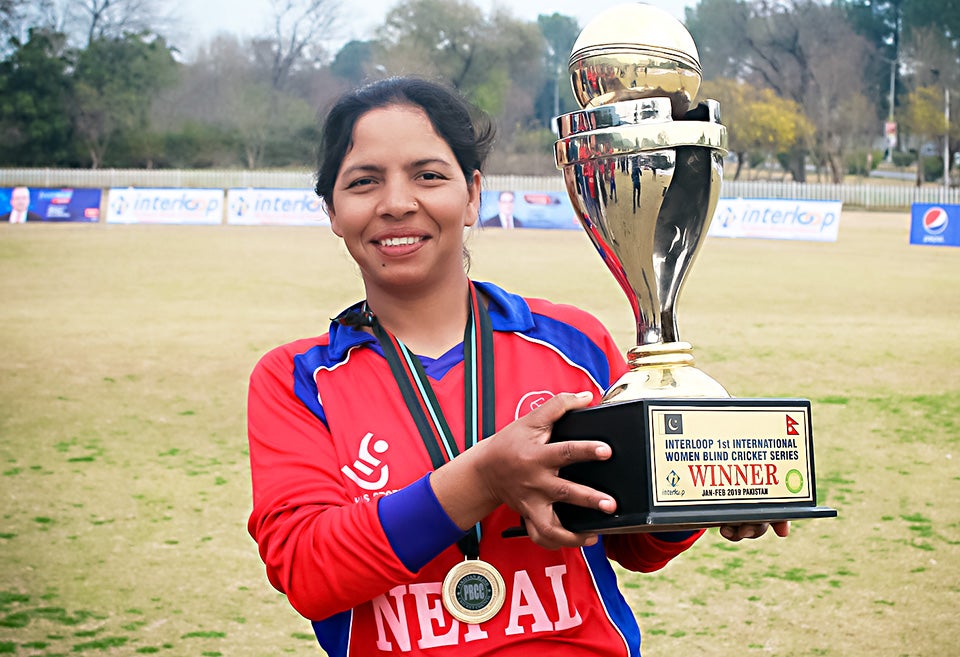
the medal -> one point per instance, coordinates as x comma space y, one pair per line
473, 591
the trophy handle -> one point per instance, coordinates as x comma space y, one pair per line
684, 218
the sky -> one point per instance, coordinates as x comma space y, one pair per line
203, 19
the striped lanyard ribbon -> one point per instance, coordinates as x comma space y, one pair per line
478, 395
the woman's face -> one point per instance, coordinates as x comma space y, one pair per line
402, 202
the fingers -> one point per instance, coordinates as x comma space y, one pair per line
521, 469
542, 523
547, 532
568, 492
553, 409
561, 539
565, 453
736, 533
782, 528
568, 452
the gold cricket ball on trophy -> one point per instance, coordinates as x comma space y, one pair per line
635, 51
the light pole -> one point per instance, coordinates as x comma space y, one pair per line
946, 138
946, 129
890, 130
893, 83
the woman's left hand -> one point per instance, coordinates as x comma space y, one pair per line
736, 533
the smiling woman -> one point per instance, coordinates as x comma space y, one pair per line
390, 454
401, 206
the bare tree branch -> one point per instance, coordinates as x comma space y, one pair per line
299, 29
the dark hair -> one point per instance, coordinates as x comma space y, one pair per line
467, 130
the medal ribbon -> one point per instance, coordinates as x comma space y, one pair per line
478, 395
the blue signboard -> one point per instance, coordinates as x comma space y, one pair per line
49, 204
526, 209
935, 224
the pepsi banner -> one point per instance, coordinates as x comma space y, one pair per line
935, 224
22, 204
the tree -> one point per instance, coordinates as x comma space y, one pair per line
496, 63
9, 19
18, 17
758, 122
354, 61
925, 119
116, 80
836, 99
559, 34
516, 47
933, 64
299, 27
880, 22
95, 20
438, 38
931, 58
194, 113
940, 15
718, 27
227, 97
805, 52
35, 91
920, 34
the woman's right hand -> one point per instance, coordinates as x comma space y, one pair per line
518, 467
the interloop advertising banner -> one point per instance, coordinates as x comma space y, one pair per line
287, 207
817, 221
129, 205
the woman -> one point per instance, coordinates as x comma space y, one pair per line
390, 454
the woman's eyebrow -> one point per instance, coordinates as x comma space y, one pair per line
429, 160
375, 168
361, 168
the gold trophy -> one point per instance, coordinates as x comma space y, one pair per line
643, 167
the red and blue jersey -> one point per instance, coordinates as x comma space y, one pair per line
349, 528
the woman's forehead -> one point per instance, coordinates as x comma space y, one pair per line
391, 128
412, 116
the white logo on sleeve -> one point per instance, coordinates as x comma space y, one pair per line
373, 473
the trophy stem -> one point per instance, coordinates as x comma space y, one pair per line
660, 354
663, 369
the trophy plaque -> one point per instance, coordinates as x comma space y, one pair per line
643, 166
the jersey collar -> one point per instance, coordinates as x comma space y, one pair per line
508, 312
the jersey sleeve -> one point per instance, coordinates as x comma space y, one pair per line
325, 551
648, 552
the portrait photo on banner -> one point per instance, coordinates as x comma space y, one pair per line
21, 204
505, 208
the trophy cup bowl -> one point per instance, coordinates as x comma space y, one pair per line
643, 167
635, 51
628, 138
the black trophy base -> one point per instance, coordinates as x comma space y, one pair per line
634, 523
654, 491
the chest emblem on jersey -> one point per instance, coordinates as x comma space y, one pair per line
369, 472
530, 401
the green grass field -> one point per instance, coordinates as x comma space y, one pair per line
124, 357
